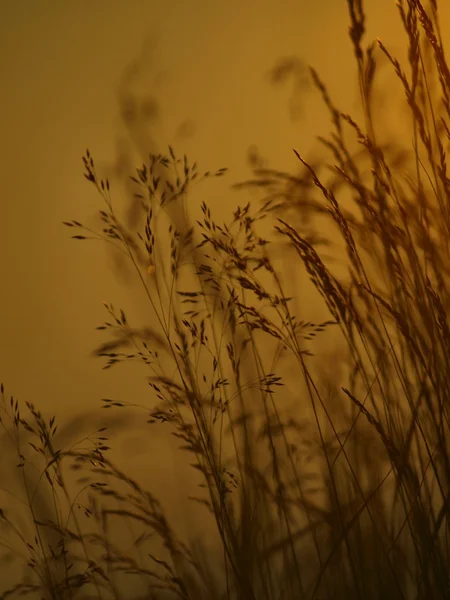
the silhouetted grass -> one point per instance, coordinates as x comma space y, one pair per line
346, 494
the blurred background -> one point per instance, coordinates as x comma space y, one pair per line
124, 79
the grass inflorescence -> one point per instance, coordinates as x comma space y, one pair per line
344, 495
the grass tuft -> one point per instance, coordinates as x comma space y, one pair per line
318, 484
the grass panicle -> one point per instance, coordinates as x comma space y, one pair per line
320, 479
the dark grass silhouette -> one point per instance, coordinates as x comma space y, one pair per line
369, 519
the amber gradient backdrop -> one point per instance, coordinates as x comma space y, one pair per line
124, 78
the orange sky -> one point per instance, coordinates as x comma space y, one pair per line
62, 65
